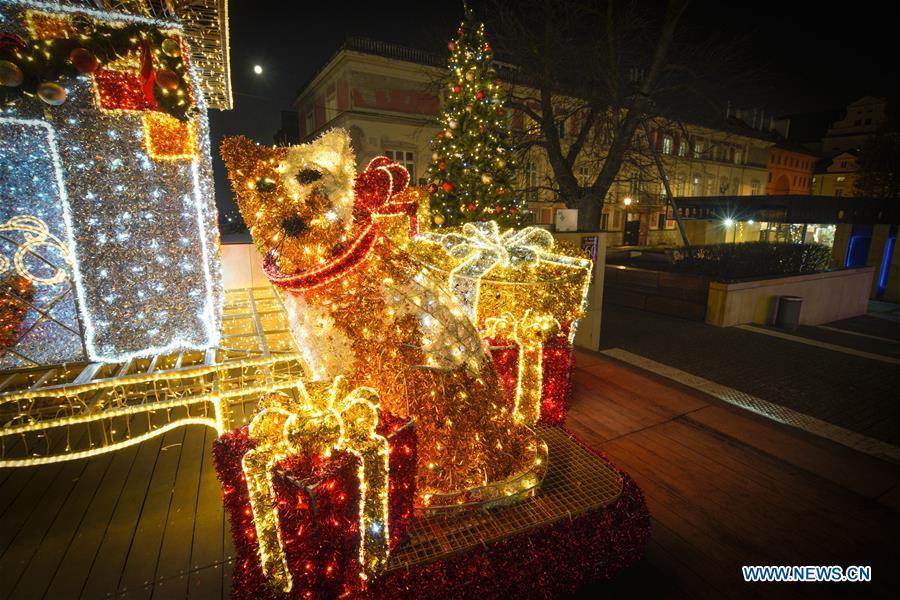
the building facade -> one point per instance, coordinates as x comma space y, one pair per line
388, 97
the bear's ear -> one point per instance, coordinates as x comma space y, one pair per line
241, 155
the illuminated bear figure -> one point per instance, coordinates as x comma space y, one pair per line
359, 306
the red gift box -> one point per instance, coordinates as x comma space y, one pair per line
557, 363
318, 512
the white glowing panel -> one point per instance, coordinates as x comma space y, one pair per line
136, 213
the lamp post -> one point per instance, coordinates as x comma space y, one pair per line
627, 202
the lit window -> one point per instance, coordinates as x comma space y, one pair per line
698, 149
841, 178
405, 158
682, 148
667, 145
310, 123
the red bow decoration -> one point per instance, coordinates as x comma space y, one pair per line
148, 75
379, 182
11, 42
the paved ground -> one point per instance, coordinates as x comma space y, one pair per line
847, 374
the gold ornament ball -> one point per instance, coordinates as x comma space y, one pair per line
452, 123
171, 48
434, 156
485, 178
438, 219
51, 93
501, 163
10, 74
470, 76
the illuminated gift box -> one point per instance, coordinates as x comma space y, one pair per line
106, 185
319, 517
525, 292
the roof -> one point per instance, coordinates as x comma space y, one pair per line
791, 209
796, 148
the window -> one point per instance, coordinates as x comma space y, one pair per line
838, 192
696, 188
698, 149
857, 122
841, 178
310, 123
710, 185
634, 183
561, 129
604, 221
531, 181
738, 156
584, 176
617, 218
843, 164
754, 187
770, 177
405, 158
795, 180
868, 121
661, 220
682, 147
331, 109
667, 144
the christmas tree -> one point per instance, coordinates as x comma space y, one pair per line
471, 173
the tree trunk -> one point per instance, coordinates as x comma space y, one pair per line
589, 211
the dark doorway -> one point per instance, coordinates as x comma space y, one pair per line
632, 232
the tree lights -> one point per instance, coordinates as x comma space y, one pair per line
116, 164
471, 173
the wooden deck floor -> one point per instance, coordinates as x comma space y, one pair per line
725, 488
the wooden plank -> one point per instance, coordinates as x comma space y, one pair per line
109, 561
855, 471
173, 568
50, 549
140, 567
75, 568
42, 513
207, 551
16, 480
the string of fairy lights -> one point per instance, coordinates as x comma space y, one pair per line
129, 187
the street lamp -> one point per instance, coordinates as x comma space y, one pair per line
627, 202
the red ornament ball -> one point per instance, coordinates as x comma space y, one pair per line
432, 188
479, 94
457, 89
447, 186
442, 166
451, 46
472, 207
167, 79
513, 210
487, 47
84, 60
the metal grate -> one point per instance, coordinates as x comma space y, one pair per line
577, 481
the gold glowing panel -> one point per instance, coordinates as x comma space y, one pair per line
74, 411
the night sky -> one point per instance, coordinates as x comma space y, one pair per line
804, 56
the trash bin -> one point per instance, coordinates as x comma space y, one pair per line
787, 316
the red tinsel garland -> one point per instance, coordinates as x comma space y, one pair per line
546, 562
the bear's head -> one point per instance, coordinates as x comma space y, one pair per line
297, 201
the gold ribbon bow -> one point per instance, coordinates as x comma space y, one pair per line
481, 247
529, 333
340, 421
